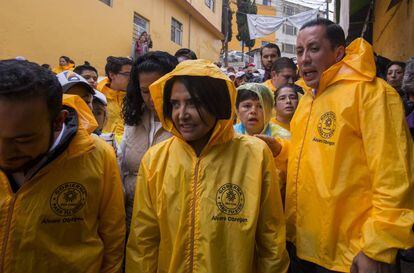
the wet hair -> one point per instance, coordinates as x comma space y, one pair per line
209, 93
187, 53
67, 59
86, 66
400, 64
115, 64
270, 45
133, 104
244, 94
288, 85
283, 63
23, 80
334, 32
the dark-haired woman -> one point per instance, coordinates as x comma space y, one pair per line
117, 70
207, 199
142, 126
64, 64
143, 44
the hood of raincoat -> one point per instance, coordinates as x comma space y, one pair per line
87, 120
266, 99
223, 131
357, 65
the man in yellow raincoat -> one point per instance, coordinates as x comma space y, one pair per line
207, 199
61, 200
349, 196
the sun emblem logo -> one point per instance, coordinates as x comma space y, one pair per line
230, 199
68, 198
327, 125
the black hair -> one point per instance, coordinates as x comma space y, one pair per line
187, 53
270, 45
283, 63
20, 80
400, 64
154, 61
334, 32
209, 93
288, 85
67, 59
115, 64
47, 66
86, 66
244, 94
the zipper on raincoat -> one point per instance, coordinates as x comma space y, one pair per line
193, 216
299, 160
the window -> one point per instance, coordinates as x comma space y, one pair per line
140, 25
108, 2
176, 31
267, 2
288, 10
288, 48
290, 30
210, 4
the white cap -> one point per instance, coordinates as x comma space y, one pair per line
69, 78
100, 97
231, 74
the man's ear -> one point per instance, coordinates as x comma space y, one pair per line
273, 74
59, 120
340, 53
111, 75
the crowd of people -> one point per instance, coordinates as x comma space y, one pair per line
175, 164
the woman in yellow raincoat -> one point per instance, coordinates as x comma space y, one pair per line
64, 64
195, 209
254, 106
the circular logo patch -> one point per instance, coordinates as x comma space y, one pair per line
230, 199
68, 198
327, 125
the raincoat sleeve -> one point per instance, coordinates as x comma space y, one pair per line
144, 237
112, 216
389, 151
282, 159
271, 232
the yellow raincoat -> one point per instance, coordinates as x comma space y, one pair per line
350, 167
69, 216
269, 84
115, 98
60, 69
219, 212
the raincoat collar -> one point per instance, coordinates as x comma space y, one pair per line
357, 65
223, 130
240, 129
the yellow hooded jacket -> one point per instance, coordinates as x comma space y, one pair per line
60, 69
68, 217
350, 167
219, 212
115, 98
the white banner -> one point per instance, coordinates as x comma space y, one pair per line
344, 16
260, 25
